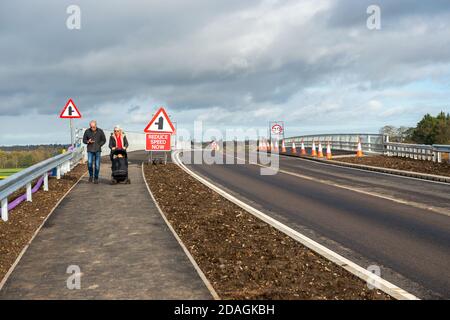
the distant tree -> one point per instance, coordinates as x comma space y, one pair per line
401, 134
388, 130
433, 130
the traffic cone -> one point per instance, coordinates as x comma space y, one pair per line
260, 145
275, 146
283, 147
329, 156
359, 152
320, 154
303, 150
313, 150
293, 150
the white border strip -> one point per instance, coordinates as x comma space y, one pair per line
186, 251
348, 265
19, 257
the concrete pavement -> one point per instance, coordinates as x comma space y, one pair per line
117, 238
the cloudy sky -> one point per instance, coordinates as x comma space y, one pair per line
230, 63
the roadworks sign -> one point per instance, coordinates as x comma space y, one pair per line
157, 142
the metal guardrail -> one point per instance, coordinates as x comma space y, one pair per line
434, 152
376, 143
371, 143
63, 163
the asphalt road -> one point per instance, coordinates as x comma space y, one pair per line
410, 243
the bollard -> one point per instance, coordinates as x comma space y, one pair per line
4, 204
46, 181
29, 193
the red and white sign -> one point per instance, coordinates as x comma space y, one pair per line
157, 141
277, 129
160, 123
70, 111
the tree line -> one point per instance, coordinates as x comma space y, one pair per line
429, 130
23, 157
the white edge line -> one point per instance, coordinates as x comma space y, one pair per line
19, 257
360, 272
186, 251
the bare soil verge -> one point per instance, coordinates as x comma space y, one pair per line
419, 166
26, 218
242, 256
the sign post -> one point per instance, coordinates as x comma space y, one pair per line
276, 129
158, 133
71, 112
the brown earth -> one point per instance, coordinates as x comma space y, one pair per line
26, 218
242, 256
428, 167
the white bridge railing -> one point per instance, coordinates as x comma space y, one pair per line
63, 163
436, 153
378, 144
344, 141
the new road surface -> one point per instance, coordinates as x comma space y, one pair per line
401, 225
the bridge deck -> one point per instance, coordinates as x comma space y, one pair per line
116, 236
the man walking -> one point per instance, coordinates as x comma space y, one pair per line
94, 138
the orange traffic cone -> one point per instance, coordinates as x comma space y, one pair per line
303, 150
313, 150
283, 147
320, 154
275, 146
293, 149
359, 152
261, 145
329, 156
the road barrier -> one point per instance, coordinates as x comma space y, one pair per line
435, 153
370, 143
375, 144
62, 163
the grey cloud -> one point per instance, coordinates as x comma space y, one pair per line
234, 55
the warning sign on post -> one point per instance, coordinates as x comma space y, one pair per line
157, 142
70, 111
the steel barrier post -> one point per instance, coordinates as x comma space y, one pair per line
29, 193
5, 209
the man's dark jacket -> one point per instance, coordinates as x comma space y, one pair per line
98, 137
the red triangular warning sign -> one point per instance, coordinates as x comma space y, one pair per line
70, 111
160, 123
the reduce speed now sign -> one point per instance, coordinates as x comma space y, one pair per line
157, 142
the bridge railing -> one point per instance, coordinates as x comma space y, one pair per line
378, 144
371, 143
63, 164
435, 152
